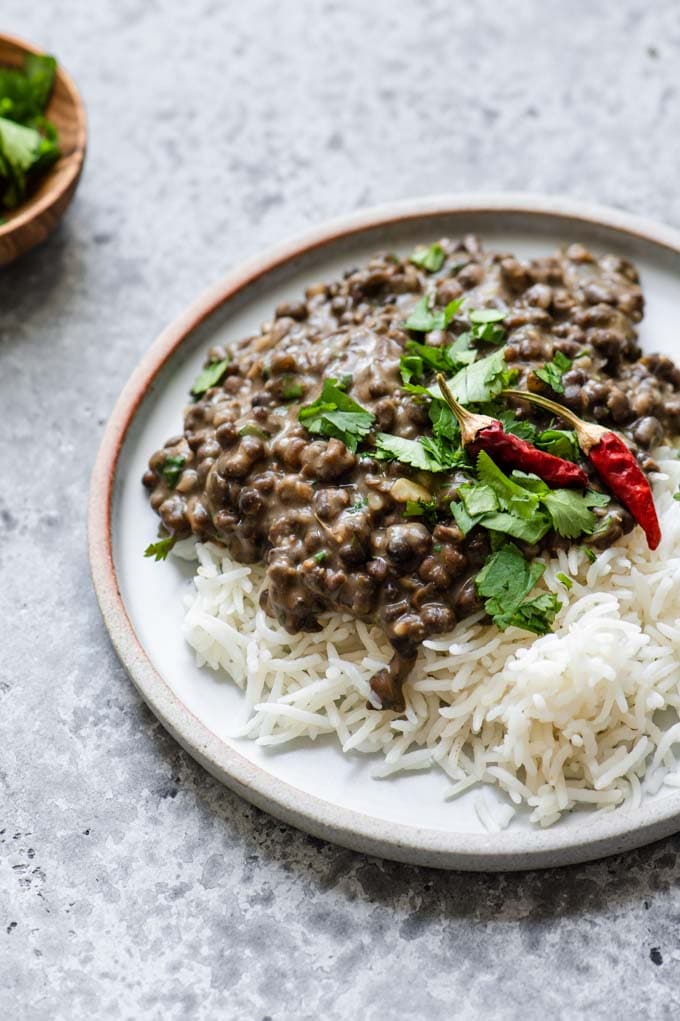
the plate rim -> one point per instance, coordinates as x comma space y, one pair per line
600, 835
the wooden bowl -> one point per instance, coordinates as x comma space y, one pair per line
36, 217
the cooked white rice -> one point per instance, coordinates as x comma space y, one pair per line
571, 718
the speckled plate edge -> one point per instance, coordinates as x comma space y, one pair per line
600, 835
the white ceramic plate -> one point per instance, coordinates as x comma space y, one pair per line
313, 785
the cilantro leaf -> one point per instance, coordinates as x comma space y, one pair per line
430, 259
462, 518
552, 371
436, 358
486, 325
159, 550
504, 582
171, 470
40, 71
291, 388
421, 509
479, 381
28, 141
209, 376
24, 92
461, 351
560, 442
480, 316
511, 496
335, 414
527, 530
517, 426
423, 318
569, 513
478, 498
444, 422
445, 453
411, 452
23, 152
410, 367
536, 615
594, 498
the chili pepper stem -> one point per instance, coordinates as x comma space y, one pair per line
470, 424
587, 433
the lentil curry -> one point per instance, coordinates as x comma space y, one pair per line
324, 447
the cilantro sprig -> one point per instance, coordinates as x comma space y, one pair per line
430, 259
480, 381
159, 550
552, 372
209, 376
28, 141
335, 414
171, 470
424, 317
523, 506
505, 581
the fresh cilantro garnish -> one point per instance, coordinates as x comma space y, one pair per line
552, 371
424, 318
171, 469
461, 351
361, 503
410, 367
444, 422
505, 581
251, 429
436, 358
430, 259
480, 381
537, 615
526, 507
421, 509
445, 453
335, 414
569, 512
24, 92
481, 316
520, 427
159, 550
411, 452
560, 442
485, 325
291, 388
209, 376
28, 141
448, 359
462, 518
517, 499
478, 498
529, 530
593, 498
320, 556
565, 580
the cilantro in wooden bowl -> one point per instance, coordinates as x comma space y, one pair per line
42, 145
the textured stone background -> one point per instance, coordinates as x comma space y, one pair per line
131, 884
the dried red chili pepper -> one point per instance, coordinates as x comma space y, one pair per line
480, 432
613, 461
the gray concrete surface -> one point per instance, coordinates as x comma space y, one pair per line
131, 884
